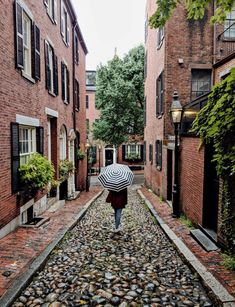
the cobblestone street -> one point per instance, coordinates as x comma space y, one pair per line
94, 267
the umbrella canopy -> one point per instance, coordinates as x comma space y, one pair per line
116, 177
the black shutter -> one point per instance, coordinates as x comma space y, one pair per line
78, 95
48, 71
40, 139
144, 153
162, 94
145, 111
123, 152
63, 81
141, 152
15, 157
68, 86
55, 72
160, 155
19, 36
157, 97
36, 52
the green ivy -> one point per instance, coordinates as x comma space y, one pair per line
215, 123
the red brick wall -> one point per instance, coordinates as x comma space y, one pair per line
20, 96
191, 178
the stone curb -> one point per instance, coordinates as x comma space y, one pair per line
24, 279
218, 290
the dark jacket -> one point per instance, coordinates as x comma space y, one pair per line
118, 200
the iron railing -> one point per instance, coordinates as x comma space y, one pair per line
225, 42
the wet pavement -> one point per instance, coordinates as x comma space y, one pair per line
93, 266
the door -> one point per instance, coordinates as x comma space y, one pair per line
169, 174
211, 191
108, 156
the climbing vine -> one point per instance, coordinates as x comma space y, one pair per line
215, 123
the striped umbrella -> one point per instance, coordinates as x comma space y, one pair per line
116, 177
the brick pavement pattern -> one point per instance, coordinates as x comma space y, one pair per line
211, 260
19, 248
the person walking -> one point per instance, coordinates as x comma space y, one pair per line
118, 201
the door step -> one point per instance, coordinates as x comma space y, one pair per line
57, 205
211, 234
203, 240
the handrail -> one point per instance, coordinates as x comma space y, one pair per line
219, 36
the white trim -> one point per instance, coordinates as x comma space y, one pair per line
50, 42
27, 205
28, 121
224, 72
25, 8
51, 112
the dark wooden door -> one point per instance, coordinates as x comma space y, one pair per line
108, 157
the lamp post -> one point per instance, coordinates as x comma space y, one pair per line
99, 148
176, 112
87, 170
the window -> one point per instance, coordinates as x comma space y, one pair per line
63, 143
77, 95
160, 36
65, 83
51, 6
27, 43
51, 70
133, 151
65, 25
229, 25
76, 53
90, 78
150, 153
158, 153
201, 82
27, 142
159, 95
87, 101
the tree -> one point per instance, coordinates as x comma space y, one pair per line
119, 97
195, 8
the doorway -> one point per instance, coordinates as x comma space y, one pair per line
211, 192
108, 156
169, 174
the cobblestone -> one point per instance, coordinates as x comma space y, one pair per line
95, 267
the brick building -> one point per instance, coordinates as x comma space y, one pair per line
182, 56
42, 98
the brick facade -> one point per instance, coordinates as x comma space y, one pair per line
28, 102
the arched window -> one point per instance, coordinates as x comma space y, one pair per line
63, 143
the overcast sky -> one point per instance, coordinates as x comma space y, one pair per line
106, 24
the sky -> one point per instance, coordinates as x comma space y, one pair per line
110, 24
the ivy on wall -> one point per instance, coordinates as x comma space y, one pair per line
215, 123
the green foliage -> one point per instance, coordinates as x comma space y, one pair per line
132, 157
66, 167
119, 97
37, 172
184, 220
229, 261
215, 123
195, 9
80, 154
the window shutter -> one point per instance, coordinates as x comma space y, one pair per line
160, 155
156, 153
141, 152
15, 157
19, 36
144, 151
36, 52
55, 72
162, 94
76, 49
123, 152
46, 3
145, 112
68, 86
55, 11
48, 75
157, 97
40, 139
62, 81
78, 95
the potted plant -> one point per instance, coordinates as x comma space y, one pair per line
53, 190
35, 175
80, 154
66, 167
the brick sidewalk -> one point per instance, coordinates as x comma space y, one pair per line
211, 260
19, 248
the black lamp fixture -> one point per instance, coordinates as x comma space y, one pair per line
176, 112
99, 148
87, 146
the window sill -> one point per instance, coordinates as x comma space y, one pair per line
51, 18
77, 110
65, 102
52, 94
66, 44
159, 116
159, 168
28, 77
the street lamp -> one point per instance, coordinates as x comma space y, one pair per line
99, 148
176, 112
87, 165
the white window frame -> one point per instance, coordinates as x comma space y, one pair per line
51, 64
230, 33
129, 150
27, 140
65, 83
65, 32
63, 143
27, 33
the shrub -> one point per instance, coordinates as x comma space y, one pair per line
66, 167
37, 172
80, 154
229, 261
